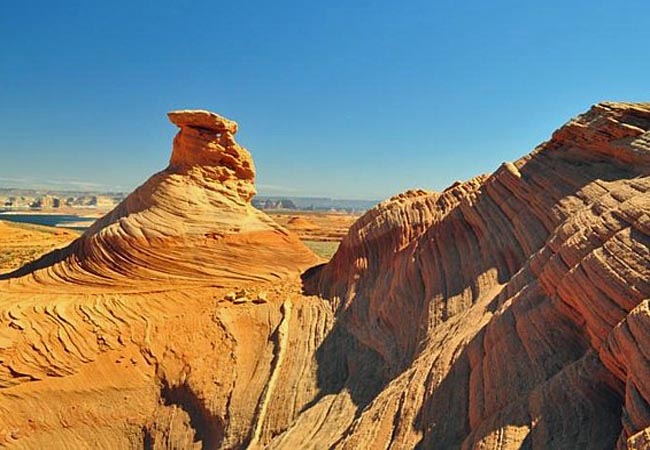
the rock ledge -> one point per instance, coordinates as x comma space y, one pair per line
198, 118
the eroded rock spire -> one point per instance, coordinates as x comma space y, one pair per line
206, 142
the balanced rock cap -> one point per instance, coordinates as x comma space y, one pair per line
198, 118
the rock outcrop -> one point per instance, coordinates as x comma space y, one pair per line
509, 311
189, 224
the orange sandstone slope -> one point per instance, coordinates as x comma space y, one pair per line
509, 311
165, 324
190, 223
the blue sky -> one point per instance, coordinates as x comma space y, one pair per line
343, 99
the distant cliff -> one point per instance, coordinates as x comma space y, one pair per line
13, 199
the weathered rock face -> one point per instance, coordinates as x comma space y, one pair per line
509, 311
512, 309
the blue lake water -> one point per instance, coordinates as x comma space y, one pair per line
48, 219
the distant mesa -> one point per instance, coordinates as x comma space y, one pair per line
282, 203
28, 199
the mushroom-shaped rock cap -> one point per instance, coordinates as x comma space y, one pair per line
198, 118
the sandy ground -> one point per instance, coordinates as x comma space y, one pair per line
21, 242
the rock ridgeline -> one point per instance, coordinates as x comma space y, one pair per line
509, 311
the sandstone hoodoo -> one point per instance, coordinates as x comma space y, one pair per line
189, 223
508, 311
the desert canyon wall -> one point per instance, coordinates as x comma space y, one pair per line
509, 311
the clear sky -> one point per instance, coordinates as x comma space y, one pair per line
348, 99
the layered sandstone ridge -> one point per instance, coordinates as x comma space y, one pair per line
191, 223
509, 311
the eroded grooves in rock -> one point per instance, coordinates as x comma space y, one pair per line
509, 311
508, 319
